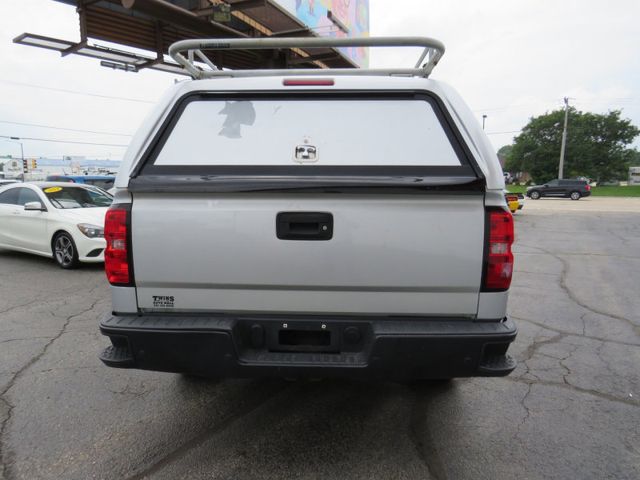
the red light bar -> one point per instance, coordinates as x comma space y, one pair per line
499, 258
314, 82
116, 253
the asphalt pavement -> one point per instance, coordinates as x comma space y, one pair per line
570, 410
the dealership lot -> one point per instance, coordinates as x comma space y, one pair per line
570, 410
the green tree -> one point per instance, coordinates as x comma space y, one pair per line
597, 146
504, 153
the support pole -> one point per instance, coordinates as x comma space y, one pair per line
564, 137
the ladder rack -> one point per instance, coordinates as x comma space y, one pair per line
194, 49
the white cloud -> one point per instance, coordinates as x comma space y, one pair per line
512, 59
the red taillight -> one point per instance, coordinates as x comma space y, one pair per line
499, 267
302, 82
588, 187
116, 254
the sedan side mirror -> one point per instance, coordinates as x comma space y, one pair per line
545, 185
34, 206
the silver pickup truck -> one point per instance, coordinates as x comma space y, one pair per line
310, 222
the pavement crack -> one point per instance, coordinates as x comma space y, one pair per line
533, 348
15, 307
523, 403
18, 374
565, 376
569, 386
607, 364
572, 334
573, 297
39, 299
9, 340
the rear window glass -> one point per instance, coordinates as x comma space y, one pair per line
27, 195
327, 132
103, 184
9, 197
76, 197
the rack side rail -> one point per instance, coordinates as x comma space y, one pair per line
185, 52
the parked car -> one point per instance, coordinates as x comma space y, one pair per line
105, 182
310, 224
573, 189
60, 220
6, 181
512, 201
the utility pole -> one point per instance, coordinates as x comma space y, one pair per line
21, 147
564, 137
484, 117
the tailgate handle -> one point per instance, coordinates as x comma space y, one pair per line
304, 226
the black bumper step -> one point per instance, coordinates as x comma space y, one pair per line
119, 357
385, 348
497, 365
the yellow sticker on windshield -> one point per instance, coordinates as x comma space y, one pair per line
52, 189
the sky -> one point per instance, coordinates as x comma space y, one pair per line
509, 59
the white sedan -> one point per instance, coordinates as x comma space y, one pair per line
60, 220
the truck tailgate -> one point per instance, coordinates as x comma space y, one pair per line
394, 254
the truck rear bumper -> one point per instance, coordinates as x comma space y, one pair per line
310, 346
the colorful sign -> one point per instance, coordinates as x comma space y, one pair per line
352, 20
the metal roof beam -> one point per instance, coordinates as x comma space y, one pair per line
313, 58
246, 4
173, 14
291, 33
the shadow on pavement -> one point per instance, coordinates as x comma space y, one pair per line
327, 428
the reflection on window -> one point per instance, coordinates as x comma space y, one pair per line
77, 197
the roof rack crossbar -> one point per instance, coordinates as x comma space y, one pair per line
432, 52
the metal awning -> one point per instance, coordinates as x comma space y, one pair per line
154, 25
109, 57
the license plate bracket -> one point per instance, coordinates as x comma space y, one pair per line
299, 337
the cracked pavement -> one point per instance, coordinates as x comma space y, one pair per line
571, 409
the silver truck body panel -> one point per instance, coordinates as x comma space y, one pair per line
492, 305
425, 258
413, 255
124, 299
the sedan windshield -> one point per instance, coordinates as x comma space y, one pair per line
77, 197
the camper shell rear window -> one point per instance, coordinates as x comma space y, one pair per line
208, 136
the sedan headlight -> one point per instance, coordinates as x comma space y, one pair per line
91, 231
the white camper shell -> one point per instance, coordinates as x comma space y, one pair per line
300, 222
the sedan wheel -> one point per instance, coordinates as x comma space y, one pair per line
575, 195
64, 251
535, 195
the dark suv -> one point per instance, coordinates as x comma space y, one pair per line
574, 189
